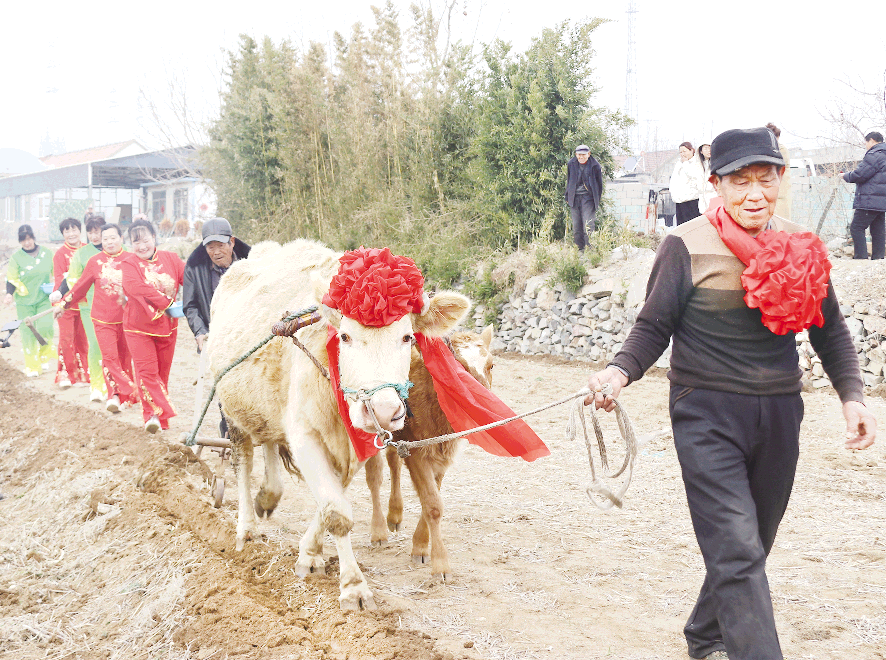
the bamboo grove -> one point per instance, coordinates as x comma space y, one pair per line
398, 137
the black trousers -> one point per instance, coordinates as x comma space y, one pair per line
584, 219
861, 220
738, 454
687, 211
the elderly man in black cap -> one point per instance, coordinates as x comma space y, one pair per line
584, 188
203, 271
732, 309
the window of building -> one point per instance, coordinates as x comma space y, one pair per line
180, 203
158, 205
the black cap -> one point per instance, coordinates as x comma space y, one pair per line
217, 229
740, 147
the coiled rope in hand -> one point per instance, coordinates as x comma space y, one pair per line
577, 415
627, 433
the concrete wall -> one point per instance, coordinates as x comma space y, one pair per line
810, 196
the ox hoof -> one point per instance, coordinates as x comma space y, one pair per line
356, 600
445, 578
378, 543
394, 526
242, 539
305, 571
311, 566
265, 503
421, 559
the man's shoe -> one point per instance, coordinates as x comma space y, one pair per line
716, 655
96, 395
64, 384
113, 404
152, 425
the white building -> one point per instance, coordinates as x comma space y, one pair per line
118, 180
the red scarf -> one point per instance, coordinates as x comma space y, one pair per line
465, 402
786, 275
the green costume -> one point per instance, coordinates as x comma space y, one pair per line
26, 272
75, 270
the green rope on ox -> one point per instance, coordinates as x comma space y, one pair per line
402, 390
192, 436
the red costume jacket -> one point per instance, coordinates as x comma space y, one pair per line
105, 272
150, 287
61, 262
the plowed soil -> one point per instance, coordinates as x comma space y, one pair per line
110, 546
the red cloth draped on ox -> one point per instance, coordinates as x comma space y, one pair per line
377, 288
465, 402
786, 276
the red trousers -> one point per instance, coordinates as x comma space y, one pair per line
152, 359
73, 349
116, 361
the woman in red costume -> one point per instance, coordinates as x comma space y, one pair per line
151, 279
104, 272
73, 344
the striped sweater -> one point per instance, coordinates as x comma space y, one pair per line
695, 295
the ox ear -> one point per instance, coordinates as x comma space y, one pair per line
487, 335
445, 311
332, 316
320, 286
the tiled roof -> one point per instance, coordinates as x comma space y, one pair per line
88, 155
651, 161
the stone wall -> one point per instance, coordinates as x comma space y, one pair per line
591, 325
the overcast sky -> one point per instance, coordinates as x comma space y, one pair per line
75, 71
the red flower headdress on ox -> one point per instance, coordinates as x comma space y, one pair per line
786, 276
376, 288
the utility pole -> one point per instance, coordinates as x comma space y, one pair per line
631, 109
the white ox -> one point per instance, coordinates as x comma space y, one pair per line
279, 399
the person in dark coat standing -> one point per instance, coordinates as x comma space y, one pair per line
870, 199
584, 189
204, 269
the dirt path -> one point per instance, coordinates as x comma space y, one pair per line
110, 548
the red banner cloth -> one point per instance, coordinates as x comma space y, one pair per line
464, 401
786, 276
363, 442
467, 405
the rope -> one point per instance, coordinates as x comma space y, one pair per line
192, 437
596, 487
365, 395
403, 446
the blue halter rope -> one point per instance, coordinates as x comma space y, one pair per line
363, 395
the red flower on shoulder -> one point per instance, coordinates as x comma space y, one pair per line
375, 287
787, 279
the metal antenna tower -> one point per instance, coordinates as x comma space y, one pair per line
631, 109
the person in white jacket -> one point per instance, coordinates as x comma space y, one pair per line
707, 188
687, 184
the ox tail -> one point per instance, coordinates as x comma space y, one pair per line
288, 463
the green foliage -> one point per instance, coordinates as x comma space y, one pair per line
403, 139
570, 271
610, 234
492, 295
533, 110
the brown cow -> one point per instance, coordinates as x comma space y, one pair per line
427, 465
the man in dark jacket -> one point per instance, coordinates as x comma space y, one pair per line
870, 199
735, 399
203, 271
584, 188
